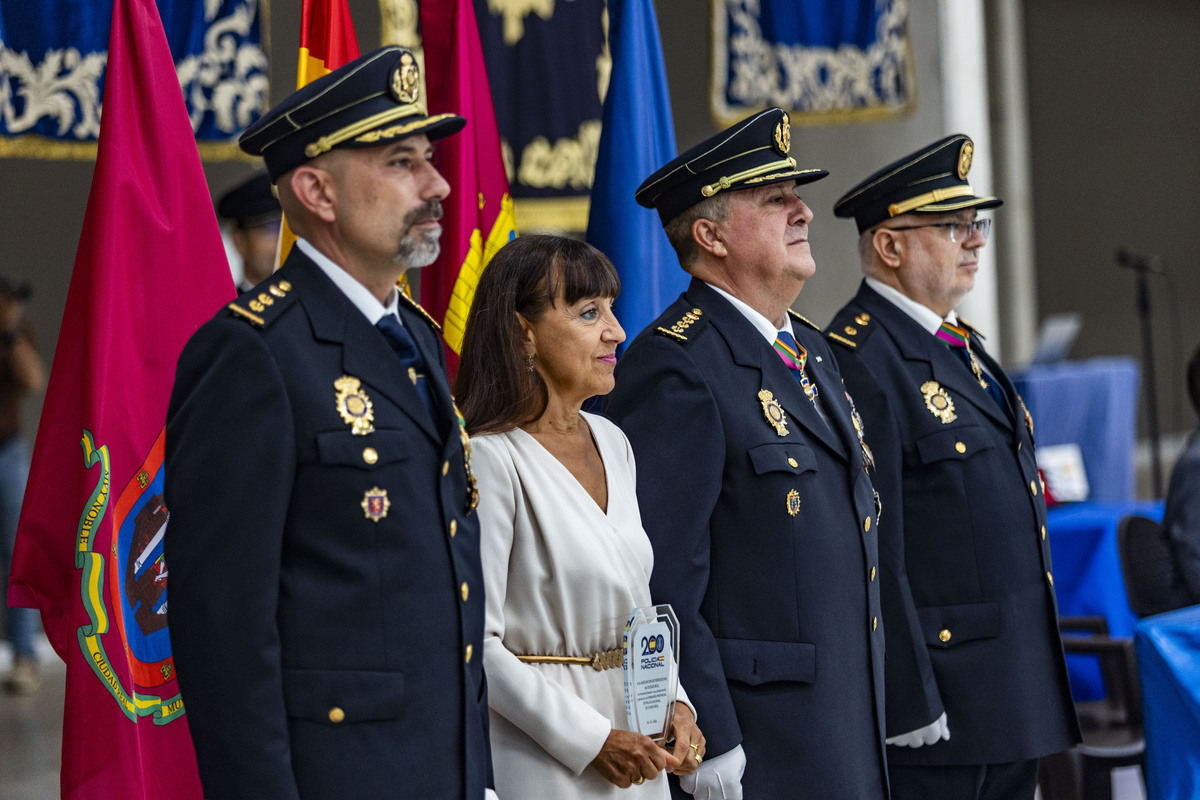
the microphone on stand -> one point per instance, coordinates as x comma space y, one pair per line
1142, 264
1139, 261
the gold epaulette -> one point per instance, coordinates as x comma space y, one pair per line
263, 304
415, 306
805, 320
677, 329
850, 332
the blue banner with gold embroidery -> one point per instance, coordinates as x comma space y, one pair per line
822, 60
548, 65
53, 55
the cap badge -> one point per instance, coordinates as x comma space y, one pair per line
964, 159
375, 503
938, 402
783, 135
773, 412
354, 406
406, 80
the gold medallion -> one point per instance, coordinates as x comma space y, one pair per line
773, 412
783, 135
793, 502
964, 159
354, 405
375, 503
938, 401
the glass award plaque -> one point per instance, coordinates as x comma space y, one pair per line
651, 658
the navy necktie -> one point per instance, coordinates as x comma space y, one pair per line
406, 350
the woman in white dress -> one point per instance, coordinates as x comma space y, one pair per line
565, 558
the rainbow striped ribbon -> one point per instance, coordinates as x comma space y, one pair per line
953, 335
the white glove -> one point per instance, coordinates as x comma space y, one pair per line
490, 794
717, 778
935, 731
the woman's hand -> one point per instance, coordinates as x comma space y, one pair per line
689, 741
627, 758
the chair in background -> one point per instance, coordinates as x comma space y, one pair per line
1148, 565
1112, 727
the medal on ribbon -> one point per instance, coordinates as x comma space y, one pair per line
867, 456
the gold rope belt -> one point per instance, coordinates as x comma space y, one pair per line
607, 659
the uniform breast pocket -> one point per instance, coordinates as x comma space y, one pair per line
949, 626
343, 448
340, 696
782, 457
955, 444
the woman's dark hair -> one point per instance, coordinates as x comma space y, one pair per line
494, 388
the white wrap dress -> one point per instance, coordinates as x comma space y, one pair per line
561, 577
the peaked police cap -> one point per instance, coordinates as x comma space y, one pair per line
372, 100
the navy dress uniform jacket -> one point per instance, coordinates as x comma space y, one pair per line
322, 654
972, 620
765, 545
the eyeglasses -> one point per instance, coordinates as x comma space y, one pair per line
957, 229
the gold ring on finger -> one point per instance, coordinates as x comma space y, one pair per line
640, 779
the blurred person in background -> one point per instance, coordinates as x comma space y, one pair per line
1181, 519
255, 213
22, 373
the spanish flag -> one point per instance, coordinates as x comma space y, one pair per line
150, 269
327, 41
479, 211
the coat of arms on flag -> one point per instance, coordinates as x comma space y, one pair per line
126, 598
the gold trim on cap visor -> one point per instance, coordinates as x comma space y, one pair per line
728, 181
936, 196
327, 143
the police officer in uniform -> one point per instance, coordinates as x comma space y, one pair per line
976, 682
753, 485
327, 613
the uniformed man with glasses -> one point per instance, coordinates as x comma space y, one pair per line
976, 684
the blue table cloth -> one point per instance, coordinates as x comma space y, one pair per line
1091, 403
1087, 575
1168, 651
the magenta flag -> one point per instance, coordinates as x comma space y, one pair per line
149, 270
